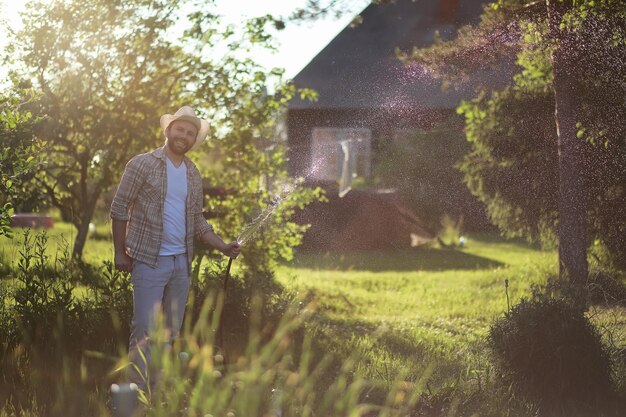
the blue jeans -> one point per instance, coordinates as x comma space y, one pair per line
163, 289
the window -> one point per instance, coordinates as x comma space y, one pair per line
335, 150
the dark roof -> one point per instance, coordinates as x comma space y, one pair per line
359, 68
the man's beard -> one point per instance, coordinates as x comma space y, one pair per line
174, 144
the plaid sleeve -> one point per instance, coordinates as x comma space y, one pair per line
201, 226
127, 190
199, 222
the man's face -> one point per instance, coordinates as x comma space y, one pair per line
181, 136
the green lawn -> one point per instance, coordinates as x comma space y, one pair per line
400, 311
405, 311
98, 248
433, 288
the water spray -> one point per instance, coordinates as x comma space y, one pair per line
248, 232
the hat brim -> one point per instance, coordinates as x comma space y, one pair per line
200, 124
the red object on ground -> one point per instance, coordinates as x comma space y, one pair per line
34, 220
362, 221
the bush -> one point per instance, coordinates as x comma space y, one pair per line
46, 330
551, 356
248, 297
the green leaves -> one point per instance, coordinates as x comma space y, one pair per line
17, 160
513, 165
108, 71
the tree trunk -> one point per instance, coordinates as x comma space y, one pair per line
572, 194
83, 226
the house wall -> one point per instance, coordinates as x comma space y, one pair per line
382, 124
417, 187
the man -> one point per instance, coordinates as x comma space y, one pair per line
156, 215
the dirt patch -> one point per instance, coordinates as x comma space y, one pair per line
362, 220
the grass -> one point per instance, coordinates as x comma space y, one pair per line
401, 315
415, 310
437, 288
98, 248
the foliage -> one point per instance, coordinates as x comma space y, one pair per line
319, 9
108, 71
277, 236
484, 46
244, 301
40, 301
421, 353
513, 164
20, 151
47, 330
551, 355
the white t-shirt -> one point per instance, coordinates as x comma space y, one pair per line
174, 230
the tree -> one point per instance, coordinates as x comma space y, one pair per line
573, 241
20, 150
318, 9
108, 70
572, 58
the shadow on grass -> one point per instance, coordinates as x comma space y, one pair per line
424, 259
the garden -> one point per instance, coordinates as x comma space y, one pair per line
524, 316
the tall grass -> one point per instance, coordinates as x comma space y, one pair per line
49, 369
382, 334
278, 376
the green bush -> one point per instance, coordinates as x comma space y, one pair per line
47, 328
42, 302
251, 297
551, 356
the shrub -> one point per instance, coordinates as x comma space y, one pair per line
243, 292
42, 302
46, 329
550, 355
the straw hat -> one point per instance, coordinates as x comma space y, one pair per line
187, 114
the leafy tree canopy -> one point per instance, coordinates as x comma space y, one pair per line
107, 70
20, 153
513, 165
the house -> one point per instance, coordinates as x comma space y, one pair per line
370, 100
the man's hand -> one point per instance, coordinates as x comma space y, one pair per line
231, 249
123, 262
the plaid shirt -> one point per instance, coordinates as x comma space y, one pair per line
139, 201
